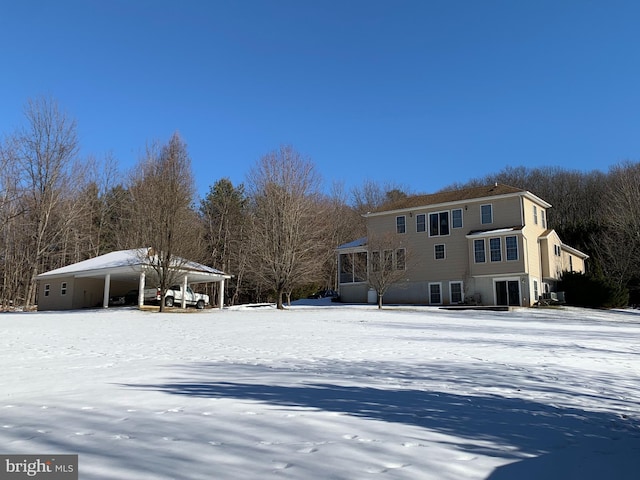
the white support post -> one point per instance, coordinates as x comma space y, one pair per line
221, 294
184, 292
107, 286
141, 285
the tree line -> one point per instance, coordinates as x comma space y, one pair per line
276, 233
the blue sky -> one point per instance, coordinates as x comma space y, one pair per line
419, 93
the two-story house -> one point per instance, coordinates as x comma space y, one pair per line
486, 245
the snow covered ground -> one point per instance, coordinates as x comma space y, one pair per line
326, 392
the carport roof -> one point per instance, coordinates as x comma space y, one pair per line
127, 265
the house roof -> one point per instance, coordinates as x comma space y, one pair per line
360, 242
127, 265
453, 196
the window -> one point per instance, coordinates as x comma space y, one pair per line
401, 224
495, 249
438, 224
570, 263
544, 220
512, 247
401, 257
455, 292
388, 260
478, 251
535, 214
557, 250
63, 288
421, 223
435, 295
456, 218
536, 293
47, 290
375, 261
353, 267
486, 212
439, 252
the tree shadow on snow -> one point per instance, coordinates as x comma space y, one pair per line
542, 439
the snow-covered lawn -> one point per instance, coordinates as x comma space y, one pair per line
326, 392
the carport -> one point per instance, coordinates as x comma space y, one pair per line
90, 283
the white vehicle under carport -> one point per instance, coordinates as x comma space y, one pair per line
173, 296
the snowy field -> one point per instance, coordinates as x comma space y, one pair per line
326, 392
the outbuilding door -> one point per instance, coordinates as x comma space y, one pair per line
508, 292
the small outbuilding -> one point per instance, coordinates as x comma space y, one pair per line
91, 283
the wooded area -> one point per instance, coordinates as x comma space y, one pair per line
276, 234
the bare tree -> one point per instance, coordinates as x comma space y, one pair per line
45, 150
620, 247
162, 219
286, 220
388, 261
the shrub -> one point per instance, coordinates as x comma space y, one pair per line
595, 291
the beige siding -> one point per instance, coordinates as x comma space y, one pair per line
89, 293
56, 299
527, 221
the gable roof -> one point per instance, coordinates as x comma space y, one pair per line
454, 196
128, 264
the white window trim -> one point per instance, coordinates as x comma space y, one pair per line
404, 255
404, 225
535, 215
500, 250
506, 255
490, 205
474, 250
440, 286
444, 248
448, 212
461, 218
425, 222
461, 291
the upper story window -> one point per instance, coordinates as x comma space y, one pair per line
438, 224
47, 289
478, 251
535, 215
486, 213
439, 251
544, 220
421, 222
512, 247
557, 250
456, 218
495, 249
63, 288
401, 224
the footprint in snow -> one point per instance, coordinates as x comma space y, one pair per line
307, 450
280, 465
349, 437
466, 458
